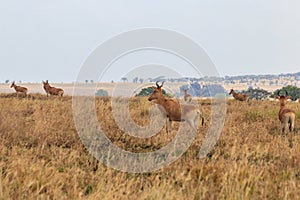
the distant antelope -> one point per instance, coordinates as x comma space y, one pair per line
286, 116
187, 97
19, 89
52, 91
240, 97
174, 111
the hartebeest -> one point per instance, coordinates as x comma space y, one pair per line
240, 97
52, 91
19, 89
286, 116
174, 111
187, 97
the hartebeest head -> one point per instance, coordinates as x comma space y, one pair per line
282, 98
157, 92
12, 84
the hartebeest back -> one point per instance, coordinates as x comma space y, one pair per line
19, 89
286, 116
187, 97
239, 97
174, 111
52, 90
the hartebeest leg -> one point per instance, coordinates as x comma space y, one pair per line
192, 124
292, 123
169, 126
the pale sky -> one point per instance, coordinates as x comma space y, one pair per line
42, 40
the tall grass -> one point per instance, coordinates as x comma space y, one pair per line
42, 156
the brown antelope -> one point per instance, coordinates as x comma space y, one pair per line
240, 97
286, 116
174, 111
52, 91
187, 97
19, 89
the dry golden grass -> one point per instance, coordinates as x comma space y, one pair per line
42, 156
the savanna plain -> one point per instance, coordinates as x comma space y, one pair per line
42, 156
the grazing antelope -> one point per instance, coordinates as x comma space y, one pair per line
19, 89
52, 91
174, 111
187, 97
286, 116
240, 97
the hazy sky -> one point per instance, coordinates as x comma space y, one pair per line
51, 39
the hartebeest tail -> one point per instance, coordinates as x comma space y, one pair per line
174, 111
187, 97
286, 116
19, 89
52, 91
239, 97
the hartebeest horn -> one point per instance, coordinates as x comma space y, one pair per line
286, 93
278, 93
158, 85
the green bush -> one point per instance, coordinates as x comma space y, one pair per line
293, 91
147, 92
101, 93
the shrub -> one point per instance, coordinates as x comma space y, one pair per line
101, 93
293, 91
148, 91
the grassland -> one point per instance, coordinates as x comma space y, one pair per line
42, 156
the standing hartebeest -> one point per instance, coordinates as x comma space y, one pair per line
52, 91
19, 89
187, 97
286, 116
240, 97
174, 111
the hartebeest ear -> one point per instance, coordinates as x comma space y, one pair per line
277, 97
288, 97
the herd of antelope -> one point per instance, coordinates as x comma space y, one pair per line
191, 114
52, 91
186, 112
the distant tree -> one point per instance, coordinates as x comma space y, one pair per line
184, 87
91, 81
293, 91
124, 79
141, 80
135, 80
148, 91
256, 93
195, 89
101, 93
86, 81
6, 81
212, 90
